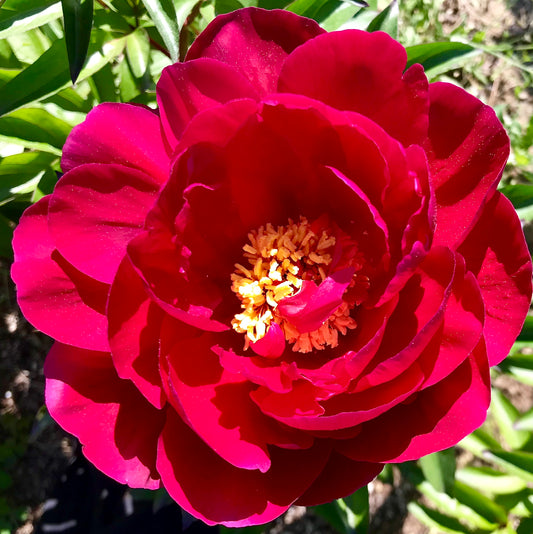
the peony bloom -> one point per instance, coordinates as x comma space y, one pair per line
298, 270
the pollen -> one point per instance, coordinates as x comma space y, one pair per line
277, 259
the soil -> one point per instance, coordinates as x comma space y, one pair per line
40, 451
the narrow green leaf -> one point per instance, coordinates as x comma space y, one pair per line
19, 170
437, 58
333, 514
515, 463
452, 507
355, 507
50, 72
164, 16
386, 21
527, 330
21, 16
78, 21
37, 125
439, 469
478, 442
225, 6
103, 85
505, 415
525, 421
434, 519
489, 480
138, 51
484, 506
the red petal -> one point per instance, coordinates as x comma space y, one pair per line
436, 418
217, 492
363, 72
117, 427
340, 478
255, 42
134, 326
118, 133
95, 211
187, 88
496, 252
467, 150
56, 298
311, 307
217, 406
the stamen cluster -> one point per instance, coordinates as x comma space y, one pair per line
280, 259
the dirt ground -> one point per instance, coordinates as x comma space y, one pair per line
41, 450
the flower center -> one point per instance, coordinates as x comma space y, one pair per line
279, 260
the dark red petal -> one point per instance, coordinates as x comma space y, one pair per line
363, 72
56, 298
434, 419
467, 150
95, 211
187, 88
217, 492
496, 252
134, 326
255, 42
340, 478
117, 427
119, 133
216, 404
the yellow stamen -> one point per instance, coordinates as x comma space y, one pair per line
280, 260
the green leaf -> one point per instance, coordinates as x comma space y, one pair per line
484, 506
225, 6
478, 442
333, 514
434, 519
452, 507
138, 51
439, 469
489, 480
164, 16
386, 21
20, 16
78, 21
355, 508
50, 72
505, 415
515, 463
19, 170
520, 195
37, 125
525, 421
527, 330
437, 58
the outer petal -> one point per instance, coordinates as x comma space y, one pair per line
56, 298
467, 150
496, 252
215, 491
116, 425
134, 328
95, 211
255, 42
434, 419
118, 133
342, 70
340, 477
187, 88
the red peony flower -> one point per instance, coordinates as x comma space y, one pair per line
296, 271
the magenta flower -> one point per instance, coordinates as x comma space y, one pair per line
297, 270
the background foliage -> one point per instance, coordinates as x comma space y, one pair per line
115, 50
